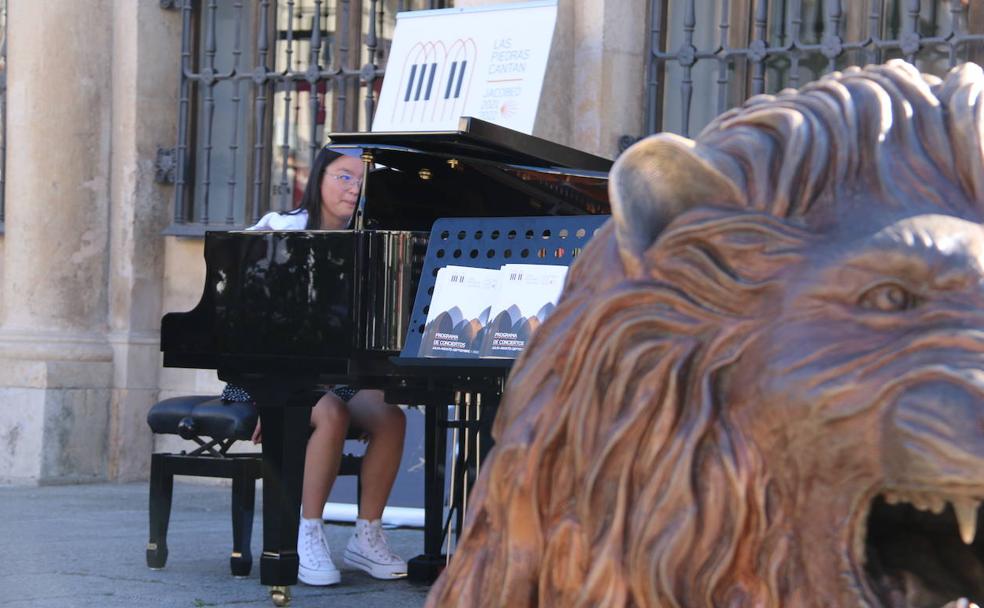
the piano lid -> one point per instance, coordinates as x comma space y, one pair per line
475, 139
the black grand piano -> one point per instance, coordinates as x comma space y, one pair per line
286, 313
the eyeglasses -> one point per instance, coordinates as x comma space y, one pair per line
345, 180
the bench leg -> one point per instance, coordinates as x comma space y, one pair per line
161, 490
243, 501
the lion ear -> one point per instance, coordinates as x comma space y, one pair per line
654, 181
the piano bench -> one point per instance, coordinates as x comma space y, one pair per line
215, 425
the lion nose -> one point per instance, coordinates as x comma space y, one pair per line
936, 432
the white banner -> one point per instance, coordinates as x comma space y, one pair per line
487, 62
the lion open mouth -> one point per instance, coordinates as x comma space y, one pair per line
922, 550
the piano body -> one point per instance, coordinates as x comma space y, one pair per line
286, 313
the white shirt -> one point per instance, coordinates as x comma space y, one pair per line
280, 221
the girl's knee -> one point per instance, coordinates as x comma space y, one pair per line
330, 411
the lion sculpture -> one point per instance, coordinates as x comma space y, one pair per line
764, 382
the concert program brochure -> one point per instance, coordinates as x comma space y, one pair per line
459, 312
527, 294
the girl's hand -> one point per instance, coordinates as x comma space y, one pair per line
257, 433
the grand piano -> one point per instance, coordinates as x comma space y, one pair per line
285, 314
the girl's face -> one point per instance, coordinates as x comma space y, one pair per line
340, 191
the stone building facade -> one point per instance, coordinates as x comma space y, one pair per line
91, 93
90, 254
86, 270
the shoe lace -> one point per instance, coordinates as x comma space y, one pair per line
317, 546
324, 542
377, 543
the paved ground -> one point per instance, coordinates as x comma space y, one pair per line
67, 546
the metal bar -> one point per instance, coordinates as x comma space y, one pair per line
956, 12
783, 40
341, 39
369, 70
234, 143
260, 87
910, 37
208, 79
795, 25
874, 32
687, 62
723, 61
832, 41
283, 188
758, 47
181, 156
455, 465
314, 81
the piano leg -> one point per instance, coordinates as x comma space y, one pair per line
427, 567
285, 430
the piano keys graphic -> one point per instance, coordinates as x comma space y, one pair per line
435, 81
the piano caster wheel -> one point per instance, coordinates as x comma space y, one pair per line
280, 595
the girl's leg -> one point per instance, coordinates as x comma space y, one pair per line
385, 425
330, 421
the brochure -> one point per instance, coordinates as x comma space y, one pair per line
526, 296
459, 312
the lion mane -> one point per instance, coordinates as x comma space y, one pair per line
621, 475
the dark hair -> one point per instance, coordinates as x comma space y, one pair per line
311, 200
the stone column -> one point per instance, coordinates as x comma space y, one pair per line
146, 65
609, 78
55, 361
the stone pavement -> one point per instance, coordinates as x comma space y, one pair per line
83, 545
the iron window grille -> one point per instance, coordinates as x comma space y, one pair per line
262, 83
706, 57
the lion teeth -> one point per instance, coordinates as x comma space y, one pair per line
923, 502
965, 508
966, 511
920, 502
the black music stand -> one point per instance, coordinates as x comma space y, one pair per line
474, 386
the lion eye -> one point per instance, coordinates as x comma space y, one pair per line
889, 297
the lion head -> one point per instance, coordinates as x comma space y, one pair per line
764, 382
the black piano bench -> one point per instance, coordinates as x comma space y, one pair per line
205, 416
193, 418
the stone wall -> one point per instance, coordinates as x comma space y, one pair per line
145, 97
1, 273
83, 257
85, 274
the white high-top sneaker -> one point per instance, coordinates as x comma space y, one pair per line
316, 567
368, 550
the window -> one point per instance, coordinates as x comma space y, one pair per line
263, 82
703, 62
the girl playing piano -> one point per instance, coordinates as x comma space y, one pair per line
329, 201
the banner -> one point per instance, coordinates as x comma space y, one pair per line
487, 62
